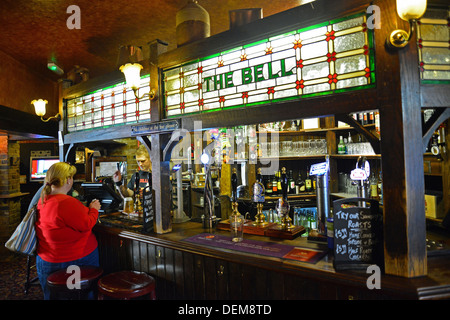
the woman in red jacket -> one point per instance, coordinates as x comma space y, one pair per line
63, 226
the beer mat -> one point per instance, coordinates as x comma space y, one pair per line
259, 247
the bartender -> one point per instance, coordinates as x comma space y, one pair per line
145, 173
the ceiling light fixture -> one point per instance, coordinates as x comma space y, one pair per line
411, 11
40, 109
129, 58
55, 68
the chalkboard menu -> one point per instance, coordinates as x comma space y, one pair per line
358, 234
147, 208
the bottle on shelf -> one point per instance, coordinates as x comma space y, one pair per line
350, 144
361, 118
374, 187
291, 183
365, 118
380, 187
268, 184
300, 184
279, 186
371, 118
308, 182
377, 122
274, 185
341, 146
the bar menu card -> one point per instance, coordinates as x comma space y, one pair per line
358, 234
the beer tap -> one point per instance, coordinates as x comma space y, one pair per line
236, 219
122, 167
361, 176
283, 204
258, 198
137, 193
209, 218
234, 183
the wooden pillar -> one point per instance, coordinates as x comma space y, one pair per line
402, 157
161, 184
160, 167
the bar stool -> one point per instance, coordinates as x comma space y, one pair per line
126, 285
33, 281
57, 283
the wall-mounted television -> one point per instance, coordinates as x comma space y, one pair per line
39, 167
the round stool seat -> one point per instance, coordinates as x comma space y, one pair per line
57, 283
87, 275
126, 285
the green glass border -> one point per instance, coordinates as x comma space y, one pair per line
426, 81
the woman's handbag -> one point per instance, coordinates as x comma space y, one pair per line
23, 240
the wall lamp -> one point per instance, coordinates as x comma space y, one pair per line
129, 58
39, 108
408, 10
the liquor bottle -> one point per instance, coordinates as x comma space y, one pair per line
371, 118
341, 146
374, 187
377, 122
274, 185
365, 118
308, 182
361, 118
268, 185
300, 184
279, 186
350, 144
291, 183
380, 187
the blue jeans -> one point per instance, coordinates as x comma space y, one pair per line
44, 269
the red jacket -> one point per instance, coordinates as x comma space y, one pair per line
64, 229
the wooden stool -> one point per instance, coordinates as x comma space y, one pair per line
126, 285
57, 283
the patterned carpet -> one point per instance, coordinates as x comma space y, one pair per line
13, 275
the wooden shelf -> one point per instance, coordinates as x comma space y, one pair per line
13, 195
318, 130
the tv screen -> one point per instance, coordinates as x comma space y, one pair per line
39, 167
110, 201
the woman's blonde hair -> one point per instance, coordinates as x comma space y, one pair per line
57, 175
142, 152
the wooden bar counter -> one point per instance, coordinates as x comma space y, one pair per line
184, 270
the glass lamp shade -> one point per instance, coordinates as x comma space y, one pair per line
411, 9
132, 72
39, 106
204, 158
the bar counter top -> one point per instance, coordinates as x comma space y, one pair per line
436, 285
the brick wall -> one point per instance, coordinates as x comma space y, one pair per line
9, 185
129, 149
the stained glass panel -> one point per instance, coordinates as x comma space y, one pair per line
110, 106
334, 55
433, 39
